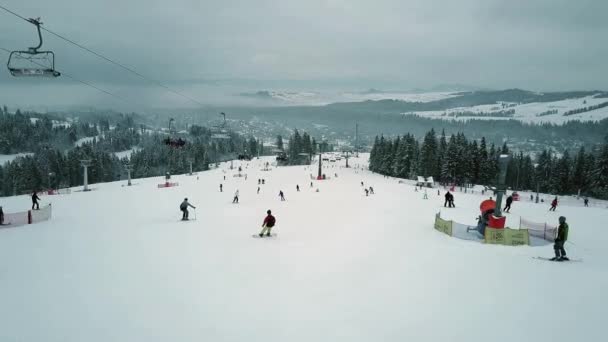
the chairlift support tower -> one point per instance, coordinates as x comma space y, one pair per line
85, 164
129, 169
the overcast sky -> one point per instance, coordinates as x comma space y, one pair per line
397, 44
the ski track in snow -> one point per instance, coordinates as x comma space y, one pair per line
116, 264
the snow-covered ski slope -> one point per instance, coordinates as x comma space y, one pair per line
536, 112
116, 264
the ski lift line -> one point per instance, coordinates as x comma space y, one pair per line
108, 59
77, 80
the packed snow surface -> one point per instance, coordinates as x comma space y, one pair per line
116, 264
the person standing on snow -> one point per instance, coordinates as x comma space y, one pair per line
311, 184
586, 200
35, 200
426, 196
451, 204
184, 208
221, 188
258, 190
562, 237
269, 222
366, 192
297, 187
508, 206
281, 195
447, 199
371, 190
236, 197
1, 216
553, 204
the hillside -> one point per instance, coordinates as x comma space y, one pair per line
116, 264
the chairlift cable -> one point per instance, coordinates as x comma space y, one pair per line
99, 55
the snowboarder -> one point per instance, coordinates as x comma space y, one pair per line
366, 192
562, 237
508, 206
297, 188
221, 188
371, 190
35, 200
184, 208
236, 197
586, 200
553, 204
268, 223
281, 195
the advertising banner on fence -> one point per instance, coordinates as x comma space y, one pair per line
443, 225
507, 236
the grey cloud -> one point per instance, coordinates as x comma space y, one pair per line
535, 44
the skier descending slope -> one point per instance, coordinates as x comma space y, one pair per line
553, 204
184, 208
282, 195
562, 237
236, 197
508, 206
267, 225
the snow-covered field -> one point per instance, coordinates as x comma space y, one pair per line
126, 153
294, 98
84, 140
5, 158
530, 112
116, 264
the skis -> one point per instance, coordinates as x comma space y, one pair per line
549, 259
257, 236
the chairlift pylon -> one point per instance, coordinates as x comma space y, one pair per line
33, 63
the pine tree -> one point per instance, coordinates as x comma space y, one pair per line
428, 156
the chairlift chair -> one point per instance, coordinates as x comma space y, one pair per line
33, 63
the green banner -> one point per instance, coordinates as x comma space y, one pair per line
507, 236
443, 225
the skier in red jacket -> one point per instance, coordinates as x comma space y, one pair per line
267, 225
553, 204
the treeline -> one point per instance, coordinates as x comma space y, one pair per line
461, 161
300, 148
24, 132
586, 109
548, 112
496, 114
52, 168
